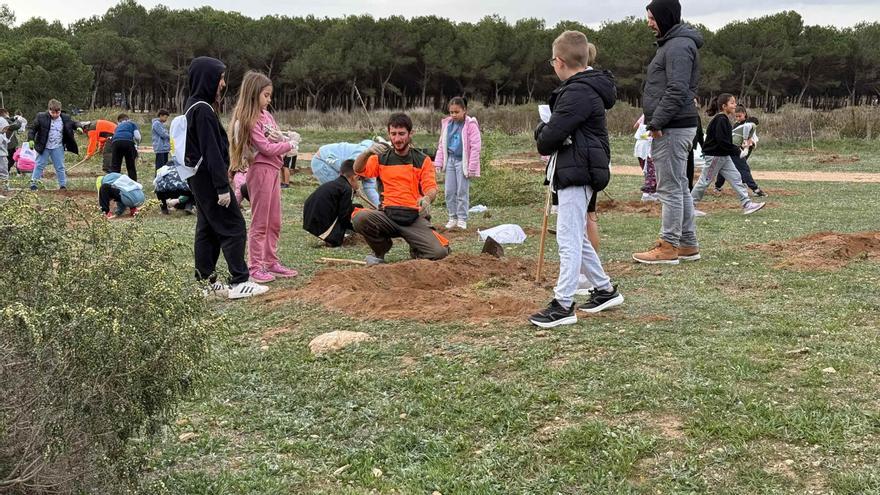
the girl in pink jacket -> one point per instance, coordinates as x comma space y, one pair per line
258, 146
458, 153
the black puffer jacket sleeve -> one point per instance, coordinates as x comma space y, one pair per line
568, 115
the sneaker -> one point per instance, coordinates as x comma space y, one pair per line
164, 210
688, 253
760, 193
600, 300
451, 223
246, 289
699, 213
133, 212
462, 224
282, 271
217, 289
554, 316
62, 188
752, 207
262, 276
33, 186
189, 209
717, 190
663, 253
374, 260
109, 215
285, 186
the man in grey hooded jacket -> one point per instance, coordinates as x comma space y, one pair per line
672, 119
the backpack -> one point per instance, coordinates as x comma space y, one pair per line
177, 131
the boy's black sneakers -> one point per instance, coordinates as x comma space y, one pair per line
554, 316
760, 193
600, 300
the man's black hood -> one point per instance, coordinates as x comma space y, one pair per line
667, 13
602, 82
204, 78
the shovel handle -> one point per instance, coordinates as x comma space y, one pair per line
540, 269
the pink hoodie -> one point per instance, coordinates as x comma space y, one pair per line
471, 144
267, 153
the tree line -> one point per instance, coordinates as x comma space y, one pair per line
137, 58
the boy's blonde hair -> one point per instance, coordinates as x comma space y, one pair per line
54, 104
573, 48
244, 117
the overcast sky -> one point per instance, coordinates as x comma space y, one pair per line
712, 13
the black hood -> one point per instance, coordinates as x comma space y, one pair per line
602, 82
667, 13
204, 78
682, 31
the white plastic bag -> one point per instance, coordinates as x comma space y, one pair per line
504, 234
478, 209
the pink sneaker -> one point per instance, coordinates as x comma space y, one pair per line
282, 271
261, 276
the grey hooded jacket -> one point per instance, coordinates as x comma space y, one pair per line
673, 77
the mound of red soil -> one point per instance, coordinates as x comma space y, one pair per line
824, 250
461, 288
835, 158
652, 208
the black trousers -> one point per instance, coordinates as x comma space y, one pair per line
217, 229
166, 195
161, 160
107, 193
744, 171
124, 150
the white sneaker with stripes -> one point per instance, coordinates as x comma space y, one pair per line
246, 289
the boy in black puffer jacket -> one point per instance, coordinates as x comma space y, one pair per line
576, 137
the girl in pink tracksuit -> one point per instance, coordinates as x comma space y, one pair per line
458, 153
258, 146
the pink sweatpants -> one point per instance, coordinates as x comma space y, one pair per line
264, 190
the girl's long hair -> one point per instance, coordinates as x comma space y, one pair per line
718, 102
244, 116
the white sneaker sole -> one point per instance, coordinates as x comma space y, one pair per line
617, 301
244, 295
657, 262
571, 320
750, 211
693, 257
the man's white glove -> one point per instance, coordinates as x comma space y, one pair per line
378, 148
424, 207
224, 199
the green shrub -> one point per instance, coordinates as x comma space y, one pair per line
500, 186
101, 337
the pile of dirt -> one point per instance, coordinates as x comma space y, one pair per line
834, 158
461, 288
824, 250
528, 161
652, 208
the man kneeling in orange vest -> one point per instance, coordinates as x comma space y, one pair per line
408, 188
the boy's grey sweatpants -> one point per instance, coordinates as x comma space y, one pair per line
458, 190
576, 254
721, 165
4, 169
670, 153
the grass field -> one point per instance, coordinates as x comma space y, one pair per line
709, 379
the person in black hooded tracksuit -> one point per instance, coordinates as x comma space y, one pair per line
220, 224
576, 138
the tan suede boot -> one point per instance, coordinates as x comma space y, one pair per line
688, 253
663, 253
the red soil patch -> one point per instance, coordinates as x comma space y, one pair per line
652, 208
461, 288
824, 250
835, 158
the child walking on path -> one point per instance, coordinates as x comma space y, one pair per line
718, 150
458, 153
257, 142
577, 138
642, 151
745, 135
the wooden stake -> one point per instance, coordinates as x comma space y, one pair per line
543, 237
342, 261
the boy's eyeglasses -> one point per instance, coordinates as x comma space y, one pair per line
552, 62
